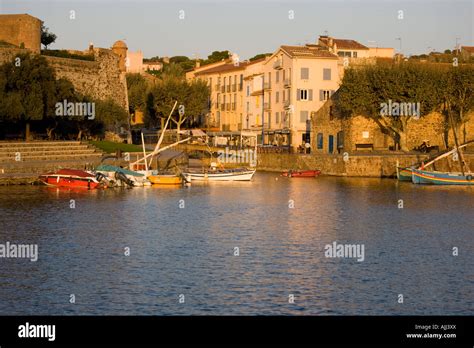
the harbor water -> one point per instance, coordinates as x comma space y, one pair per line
248, 248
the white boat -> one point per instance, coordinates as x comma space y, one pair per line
213, 174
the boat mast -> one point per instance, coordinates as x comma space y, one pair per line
461, 156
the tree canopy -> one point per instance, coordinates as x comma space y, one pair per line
30, 91
47, 38
364, 90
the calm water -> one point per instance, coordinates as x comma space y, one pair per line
190, 250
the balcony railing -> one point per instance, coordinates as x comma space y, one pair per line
222, 106
222, 89
228, 106
278, 64
267, 85
234, 88
287, 83
228, 88
233, 106
287, 103
267, 106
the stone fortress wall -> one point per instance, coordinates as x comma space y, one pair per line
21, 30
101, 79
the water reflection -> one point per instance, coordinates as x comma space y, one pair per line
183, 240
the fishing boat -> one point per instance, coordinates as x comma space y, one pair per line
405, 173
420, 176
464, 177
71, 178
216, 174
301, 173
118, 176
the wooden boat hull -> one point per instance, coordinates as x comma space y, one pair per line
440, 178
404, 174
165, 179
70, 178
241, 175
302, 174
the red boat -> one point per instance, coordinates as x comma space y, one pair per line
70, 178
302, 173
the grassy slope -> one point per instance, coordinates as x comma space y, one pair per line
111, 147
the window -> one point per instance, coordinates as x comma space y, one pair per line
248, 90
324, 94
304, 73
304, 116
248, 106
331, 113
277, 77
340, 139
354, 54
319, 141
277, 117
283, 75
269, 78
269, 120
277, 97
326, 74
304, 94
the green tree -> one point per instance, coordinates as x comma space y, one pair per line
137, 89
258, 56
47, 38
29, 89
193, 96
365, 90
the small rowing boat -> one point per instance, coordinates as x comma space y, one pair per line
237, 174
302, 173
71, 178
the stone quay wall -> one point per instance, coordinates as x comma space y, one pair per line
370, 165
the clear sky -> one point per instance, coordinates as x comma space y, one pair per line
250, 27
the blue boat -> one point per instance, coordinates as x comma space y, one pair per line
420, 176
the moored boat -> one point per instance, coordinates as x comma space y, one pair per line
72, 178
165, 179
237, 174
420, 176
120, 176
404, 173
301, 173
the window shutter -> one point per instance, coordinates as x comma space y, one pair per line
332, 92
310, 94
321, 95
298, 94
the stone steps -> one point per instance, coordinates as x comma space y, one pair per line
37, 157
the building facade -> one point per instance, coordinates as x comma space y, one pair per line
225, 82
297, 80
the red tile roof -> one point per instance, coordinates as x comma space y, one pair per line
344, 43
310, 51
469, 49
224, 68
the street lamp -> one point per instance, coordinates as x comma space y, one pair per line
399, 38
